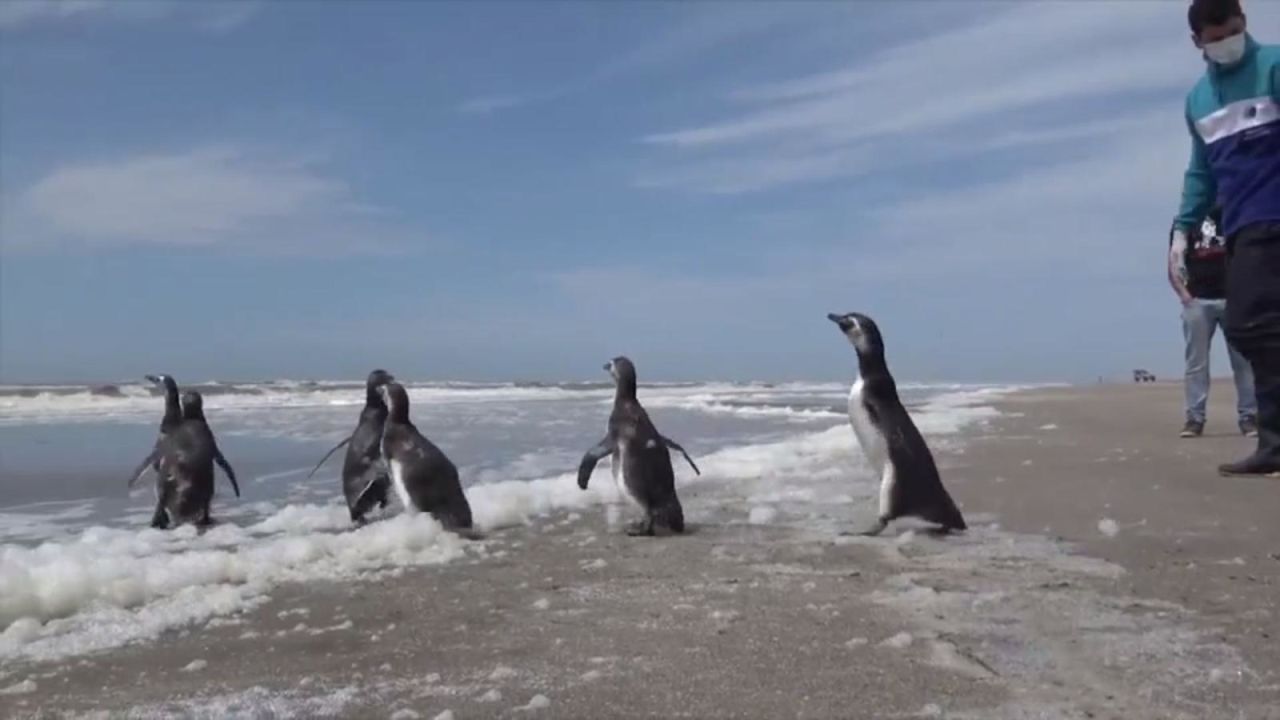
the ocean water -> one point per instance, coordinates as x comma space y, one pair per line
80, 571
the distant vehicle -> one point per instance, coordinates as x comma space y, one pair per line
1141, 376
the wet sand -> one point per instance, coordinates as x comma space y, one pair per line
1108, 573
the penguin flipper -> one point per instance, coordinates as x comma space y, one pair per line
676, 446
597, 453
150, 461
226, 468
160, 519
375, 478
326, 456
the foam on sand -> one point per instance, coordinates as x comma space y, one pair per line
110, 587
257, 702
22, 688
537, 702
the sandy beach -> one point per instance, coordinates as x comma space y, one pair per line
1107, 573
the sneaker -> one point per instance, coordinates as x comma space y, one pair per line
1252, 466
1192, 429
1249, 427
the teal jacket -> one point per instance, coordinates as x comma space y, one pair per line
1233, 115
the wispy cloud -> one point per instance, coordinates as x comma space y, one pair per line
1098, 214
984, 85
227, 195
210, 15
694, 33
486, 104
21, 12
218, 17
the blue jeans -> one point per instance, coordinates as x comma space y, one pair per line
1199, 321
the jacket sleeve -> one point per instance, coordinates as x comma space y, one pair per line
1198, 186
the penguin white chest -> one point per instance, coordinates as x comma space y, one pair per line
869, 435
397, 481
619, 461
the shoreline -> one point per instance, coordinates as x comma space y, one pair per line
1041, 610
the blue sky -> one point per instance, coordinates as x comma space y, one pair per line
522, 190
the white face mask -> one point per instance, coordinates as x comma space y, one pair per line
1226, 51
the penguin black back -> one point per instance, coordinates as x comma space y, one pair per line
169, 422
423, 476
193, 406
364, 477
197, 452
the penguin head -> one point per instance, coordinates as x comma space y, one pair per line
165, 381
624, 374
376, 380
621, 368
192, 405
396, 399
861, 331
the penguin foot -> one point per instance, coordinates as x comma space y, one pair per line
872, 531
940, 531
643, 528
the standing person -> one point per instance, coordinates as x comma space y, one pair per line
1233, 115
1198, 274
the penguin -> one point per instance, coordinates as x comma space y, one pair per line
364, 476
897, 452
424, 478
186, 458
641, 462
171, 419
194, 423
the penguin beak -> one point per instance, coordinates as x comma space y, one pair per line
608, 367
153, 378
840, 320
